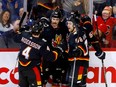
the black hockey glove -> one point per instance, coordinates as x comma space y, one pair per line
59, 51
100, 55
45, 21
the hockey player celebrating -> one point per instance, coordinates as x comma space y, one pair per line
55, 34
32, 50
78, 42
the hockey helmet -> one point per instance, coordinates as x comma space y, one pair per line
85, 18
74, 18
36, 28
56, 13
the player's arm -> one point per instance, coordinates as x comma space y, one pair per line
48, 54
94, 41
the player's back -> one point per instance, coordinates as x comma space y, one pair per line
30, 50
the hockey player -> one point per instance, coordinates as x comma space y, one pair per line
78, 42
55, 34
32, 50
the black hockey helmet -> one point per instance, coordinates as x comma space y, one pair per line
56, 13
36, 28
74, 17
85, 18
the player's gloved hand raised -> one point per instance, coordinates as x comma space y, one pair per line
100, 55
45, 21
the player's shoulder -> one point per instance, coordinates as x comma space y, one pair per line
26, 32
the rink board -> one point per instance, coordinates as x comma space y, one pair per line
95, 72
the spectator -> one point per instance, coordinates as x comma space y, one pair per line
110, 22
21, 11
114, 11
80, 6
114, 30
5, 21
13, 6
0, 7
74, 5
6, 39
111, 2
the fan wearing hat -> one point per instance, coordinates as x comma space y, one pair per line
107, 12
106, 20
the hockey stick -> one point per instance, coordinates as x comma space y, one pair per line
15, 66
95, 18
104, 72
73, 72
22, 19
20, 24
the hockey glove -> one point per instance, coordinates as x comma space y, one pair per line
77, 53
45, 21
100, 55
59, 51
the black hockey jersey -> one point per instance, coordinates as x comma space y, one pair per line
81, 40
78, 41
32, 50
56, 36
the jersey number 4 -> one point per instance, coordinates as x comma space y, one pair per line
26, 52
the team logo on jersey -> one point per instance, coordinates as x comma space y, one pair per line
57, 40
108, 30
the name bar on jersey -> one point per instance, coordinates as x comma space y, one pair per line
30, 43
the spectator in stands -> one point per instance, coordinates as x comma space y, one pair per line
13, 6
111, 2
73, 5
6, 39
21, 11
114, 11
80, 5
114, 30
5, 25
5, 21
0, 7
109, 22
